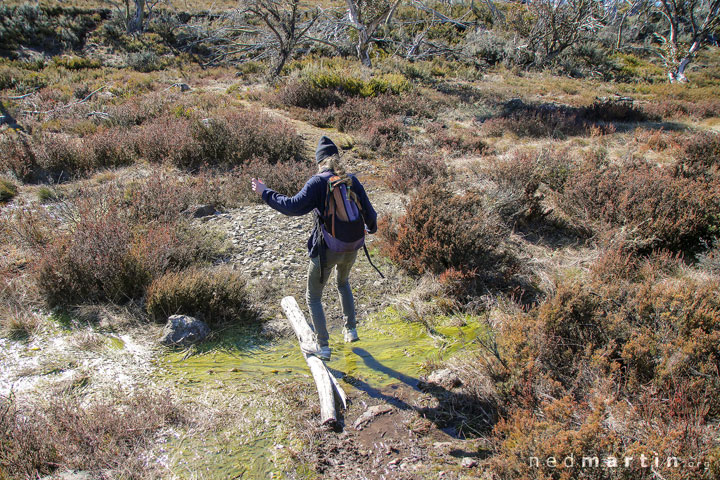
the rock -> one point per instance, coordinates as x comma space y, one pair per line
184, 330
369, 414
199, 211
444, 378
469, 462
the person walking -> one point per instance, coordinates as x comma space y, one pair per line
335, 198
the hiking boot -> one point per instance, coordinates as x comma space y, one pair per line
351, 335
323, 353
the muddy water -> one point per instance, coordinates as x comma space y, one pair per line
242, 374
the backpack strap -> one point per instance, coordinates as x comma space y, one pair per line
367, 254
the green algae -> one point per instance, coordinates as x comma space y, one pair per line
252, 377
115, 343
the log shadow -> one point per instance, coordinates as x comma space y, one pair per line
457, 413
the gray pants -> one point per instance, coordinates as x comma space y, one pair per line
344, 262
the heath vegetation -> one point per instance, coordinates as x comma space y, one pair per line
550, 170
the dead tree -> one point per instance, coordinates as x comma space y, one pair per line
689, 25
366, 17
554, 26
286, 24
135, 13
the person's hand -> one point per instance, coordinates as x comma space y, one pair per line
258, 186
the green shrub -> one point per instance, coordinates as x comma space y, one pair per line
47, 194
144, 62
217, 296
76, 63
8, 190
355, 87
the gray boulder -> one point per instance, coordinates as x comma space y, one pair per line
200, 211
182, 330
444, 378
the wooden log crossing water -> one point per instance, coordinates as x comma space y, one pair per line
327, 386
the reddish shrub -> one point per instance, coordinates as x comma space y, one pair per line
93, 263
67, 430
559, 121
441, 231
655, 208
226, 141
166, 139
387, 136
613, 111
60, 157
682, 108
286, 177
110, 148
701, 159
456, 143
18, 156
413, 170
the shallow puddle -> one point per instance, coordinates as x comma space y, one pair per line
242, 370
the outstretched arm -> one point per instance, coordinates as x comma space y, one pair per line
303, 202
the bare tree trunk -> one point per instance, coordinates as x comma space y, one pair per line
618, 43
137, 23
282, 58
677, 75
363, 49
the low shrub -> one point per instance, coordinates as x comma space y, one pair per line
91, 264
286, 178
224, 142
18, 156
114, 248
456, 142
701, 158
8, 190
303, 94
655, 208
614, 110
441, 231
559, 121
414, 170
673, 108
388, 136
66, 430
144, 62
110, 148
217, 296
353, 86
76, 63
645, 346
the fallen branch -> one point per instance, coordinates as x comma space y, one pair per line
326, 384
63, 107
20, 97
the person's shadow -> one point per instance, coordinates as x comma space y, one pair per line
458, 414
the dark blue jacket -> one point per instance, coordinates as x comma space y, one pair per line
311, 197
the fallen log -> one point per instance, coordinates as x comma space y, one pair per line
326, 383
